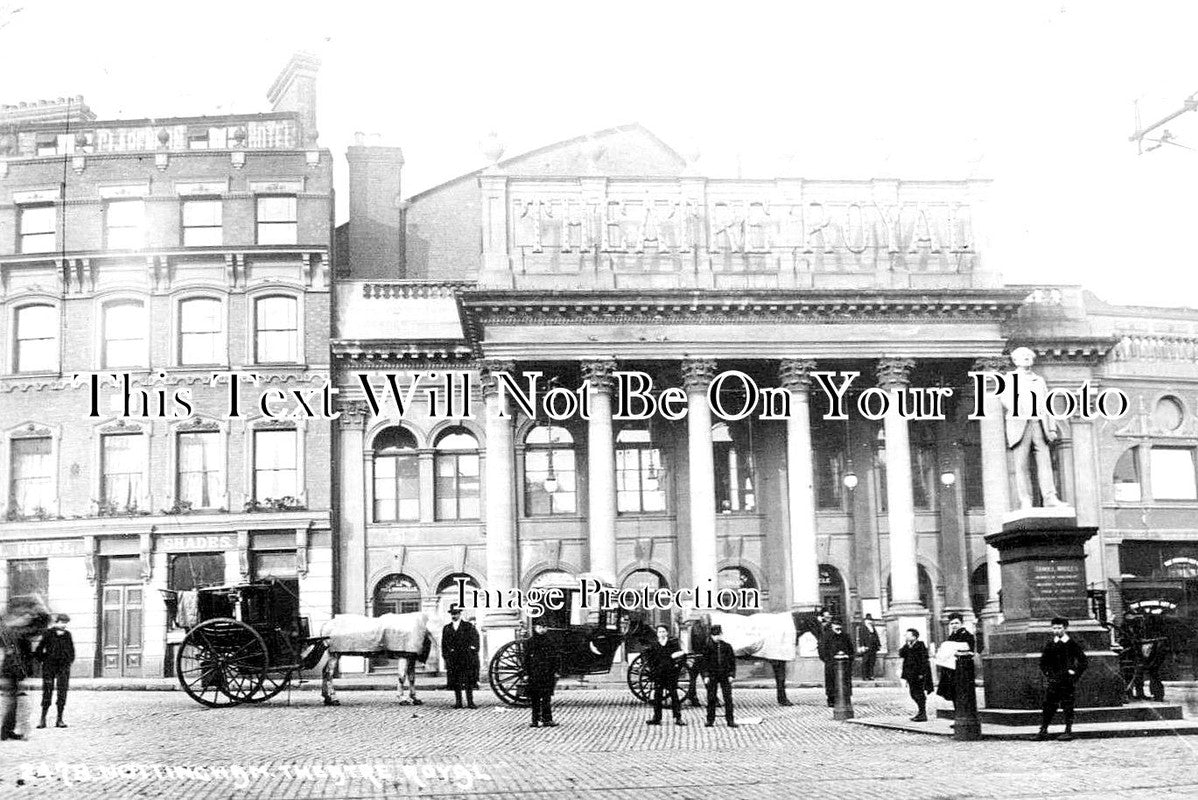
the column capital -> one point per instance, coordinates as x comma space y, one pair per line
697, 374
599, 374
353, 414
894, 373
489, 371
796, 373
991, 364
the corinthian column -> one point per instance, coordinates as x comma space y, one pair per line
601, 469
894, 376
697, 375
995, 480
499, 518
800, 489
351, 530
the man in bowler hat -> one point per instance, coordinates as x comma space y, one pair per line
541, 661
917, 672
834, 641
459, 652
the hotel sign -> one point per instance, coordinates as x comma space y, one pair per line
42, 549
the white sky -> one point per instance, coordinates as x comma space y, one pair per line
1037, 96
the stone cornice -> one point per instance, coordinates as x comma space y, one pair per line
197, 523
716, 307
1068, 349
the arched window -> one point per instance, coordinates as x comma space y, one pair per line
558, 617
979, 589
549, 477
35, 346
1127, 476
124, 334
396, 594
276, 330
639, 483
201, 339
737, 578
735, 483
448, 594
456, 487
647, 618
926, 596
396, 476
831, 592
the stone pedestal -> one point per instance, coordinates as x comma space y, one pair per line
1042, 557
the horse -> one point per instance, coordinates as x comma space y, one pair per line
406, 637
763, 637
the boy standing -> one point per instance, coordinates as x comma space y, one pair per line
917, 672
719, 665
1062, 662
56, 652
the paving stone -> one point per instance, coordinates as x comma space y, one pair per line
602, 748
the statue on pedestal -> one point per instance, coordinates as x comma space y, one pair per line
1030, 429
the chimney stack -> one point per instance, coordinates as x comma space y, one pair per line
295, 90
375, 213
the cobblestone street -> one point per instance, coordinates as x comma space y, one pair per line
133, 744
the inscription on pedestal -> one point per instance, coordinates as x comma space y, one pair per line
1057, 588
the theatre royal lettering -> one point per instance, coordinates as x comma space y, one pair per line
858, 231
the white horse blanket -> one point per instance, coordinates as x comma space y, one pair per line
395, 633
768, 636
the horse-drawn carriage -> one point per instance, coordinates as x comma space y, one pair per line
244, 643
588, 639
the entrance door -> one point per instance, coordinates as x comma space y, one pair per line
121, 619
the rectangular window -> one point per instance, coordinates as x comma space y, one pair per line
275, 564
275, 466
277, 220
122, 462
187, 571
36, 339
456, 487
638, 481
197, 139
1173, 474
29, 577
38, 224
199, 469
125, 224
396, 488
32, 487
277, 331
200, 331
202, 220
125, 335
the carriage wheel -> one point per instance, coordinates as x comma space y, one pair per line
272, 683
506, 673
638, 679
221, 663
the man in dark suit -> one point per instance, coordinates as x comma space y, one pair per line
719, 668
957, 632
868, 645
917, 672
664, 660
834, 641
459, 652
1062, 663
56, 652
541, 661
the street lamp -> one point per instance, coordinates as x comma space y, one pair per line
850, 480
948, 478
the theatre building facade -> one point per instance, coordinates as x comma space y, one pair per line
611, 254
166, 251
